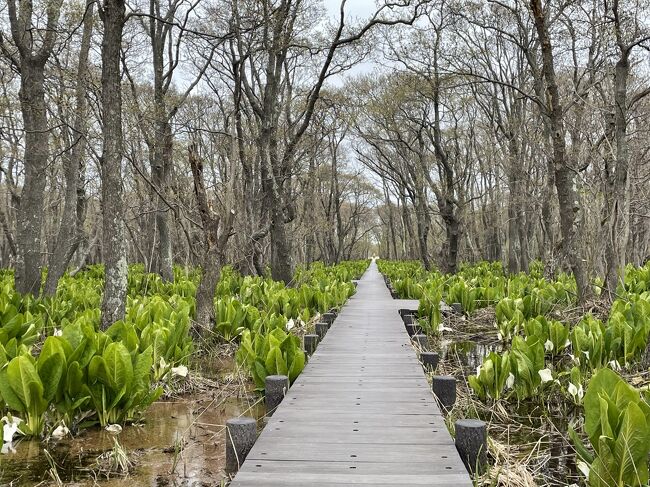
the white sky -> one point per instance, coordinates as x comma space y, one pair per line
355, 8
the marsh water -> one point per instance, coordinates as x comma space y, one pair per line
179, 443
533, 435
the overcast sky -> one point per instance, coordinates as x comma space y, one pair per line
355, 8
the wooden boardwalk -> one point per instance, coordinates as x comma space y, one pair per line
361, 413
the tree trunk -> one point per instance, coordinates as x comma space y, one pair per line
281, 268
524, 260
513, 265
340, 232
160, 174
163, 144
452, 229
407, 235
567, 196
547, 250
68, 238
113, 236
617, 219
392, 242
31, 209
423, 229
214, 253
309, 212
31, 64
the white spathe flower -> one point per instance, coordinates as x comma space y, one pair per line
290, 324
573, 390
584, 468
478, 371
567, 343
115, 429
615, 365
57, 332
499, 336
545, 375
586, 352
10, 428
442, 328
510, 381
548, 346
7, 448
576, 391
163, 364
60, 431
180, 371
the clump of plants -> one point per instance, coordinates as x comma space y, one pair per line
57, 367
550, 363
617, 427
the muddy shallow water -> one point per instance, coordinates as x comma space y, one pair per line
179, 443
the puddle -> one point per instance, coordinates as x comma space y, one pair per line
467, 352
196, 423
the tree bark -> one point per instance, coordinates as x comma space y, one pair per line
392, 242
31, 64
160, 174
163, 141
68, 238
31, 209
112, 14
423, 229
513, 265
567, 196
617, 194
215, 240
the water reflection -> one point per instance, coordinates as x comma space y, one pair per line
531, 433
197, 424
467, 352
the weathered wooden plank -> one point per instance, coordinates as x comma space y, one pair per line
326, 416
361, 413
352, 468
351, 452
403, 478
359, 434
324, 379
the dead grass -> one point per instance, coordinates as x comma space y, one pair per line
525, 447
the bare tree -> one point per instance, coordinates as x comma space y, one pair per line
34, 46
629, 33
277, 150
112, 14
70, 231
567, 197
216, 235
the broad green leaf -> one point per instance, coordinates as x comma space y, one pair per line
604, 381
119, 368
632, 447
7, 393
297, 365
25, 381
51, 373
